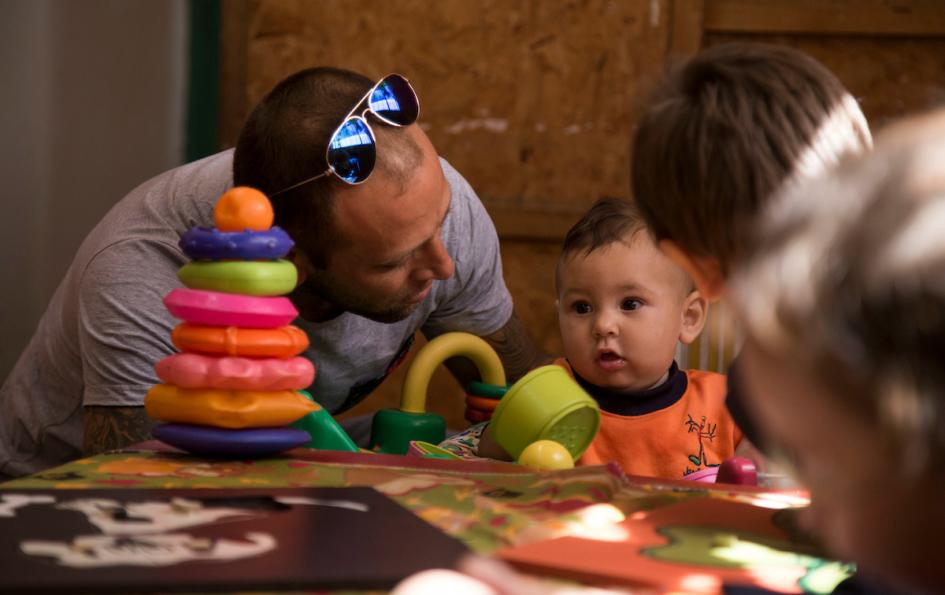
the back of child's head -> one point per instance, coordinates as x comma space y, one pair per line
846, 286
728, 128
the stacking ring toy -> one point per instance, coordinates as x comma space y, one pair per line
192, 370
209, 441
474, 416
214, 308
480, 403
243, 207
284, 341
481, 389
226, 408
270, 277
209, 243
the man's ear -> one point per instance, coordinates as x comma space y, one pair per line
694, 314
705, 272
303, 265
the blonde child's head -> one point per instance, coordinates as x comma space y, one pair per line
622, 304
843, 303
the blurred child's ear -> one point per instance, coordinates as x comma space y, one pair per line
705, 272
695, 311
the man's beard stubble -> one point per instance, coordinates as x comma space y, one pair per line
319, 300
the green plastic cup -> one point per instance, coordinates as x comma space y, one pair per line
393, 429
546, 404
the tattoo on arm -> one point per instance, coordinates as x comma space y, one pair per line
109, 428
517, 349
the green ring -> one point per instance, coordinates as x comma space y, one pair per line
489, 391
248, 277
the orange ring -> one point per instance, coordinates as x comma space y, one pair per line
284, 341
232, 409
481, 403
477, 415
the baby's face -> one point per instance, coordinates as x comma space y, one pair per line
620, 310
859, 508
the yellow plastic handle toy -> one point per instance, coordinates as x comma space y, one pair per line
437, 351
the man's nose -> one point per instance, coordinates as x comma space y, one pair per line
437, 262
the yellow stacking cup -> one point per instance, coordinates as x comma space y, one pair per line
546, 404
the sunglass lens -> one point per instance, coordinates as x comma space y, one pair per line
395, 101
351, 152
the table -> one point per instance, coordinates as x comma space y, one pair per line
487, 505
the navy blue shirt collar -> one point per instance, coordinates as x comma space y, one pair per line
639, 402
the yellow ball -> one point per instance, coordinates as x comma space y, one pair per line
546, 454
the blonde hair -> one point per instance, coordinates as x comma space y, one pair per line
847, 280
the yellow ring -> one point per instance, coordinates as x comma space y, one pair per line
437, 351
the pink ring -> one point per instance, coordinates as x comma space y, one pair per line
213, 308
192, 370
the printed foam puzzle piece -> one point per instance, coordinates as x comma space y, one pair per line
199, 540
693, 546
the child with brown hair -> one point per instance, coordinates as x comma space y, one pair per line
622, 309
843, 302
723, 133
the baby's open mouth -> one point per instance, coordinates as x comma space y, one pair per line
610, 360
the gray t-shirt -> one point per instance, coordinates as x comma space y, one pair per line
106, 325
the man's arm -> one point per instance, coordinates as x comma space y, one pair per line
515, 347
124, 329
109, 428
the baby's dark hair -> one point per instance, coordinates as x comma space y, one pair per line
724, 131
847, 284
609, 220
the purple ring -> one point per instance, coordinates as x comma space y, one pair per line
209, 243
211, 441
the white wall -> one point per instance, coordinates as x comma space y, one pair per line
92, 97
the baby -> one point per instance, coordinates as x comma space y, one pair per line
622, 308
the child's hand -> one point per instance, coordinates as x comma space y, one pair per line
489, 447
750, 451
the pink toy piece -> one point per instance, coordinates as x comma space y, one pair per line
738, 470
213, 308
193, 370
706, 475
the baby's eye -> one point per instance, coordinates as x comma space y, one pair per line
630, 304
581, 307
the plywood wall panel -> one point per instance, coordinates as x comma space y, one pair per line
529, 274
532, 101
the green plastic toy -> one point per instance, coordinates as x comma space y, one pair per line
546, 404
258, 278
393, 429
324, 431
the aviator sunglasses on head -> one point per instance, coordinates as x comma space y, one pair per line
352, 149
